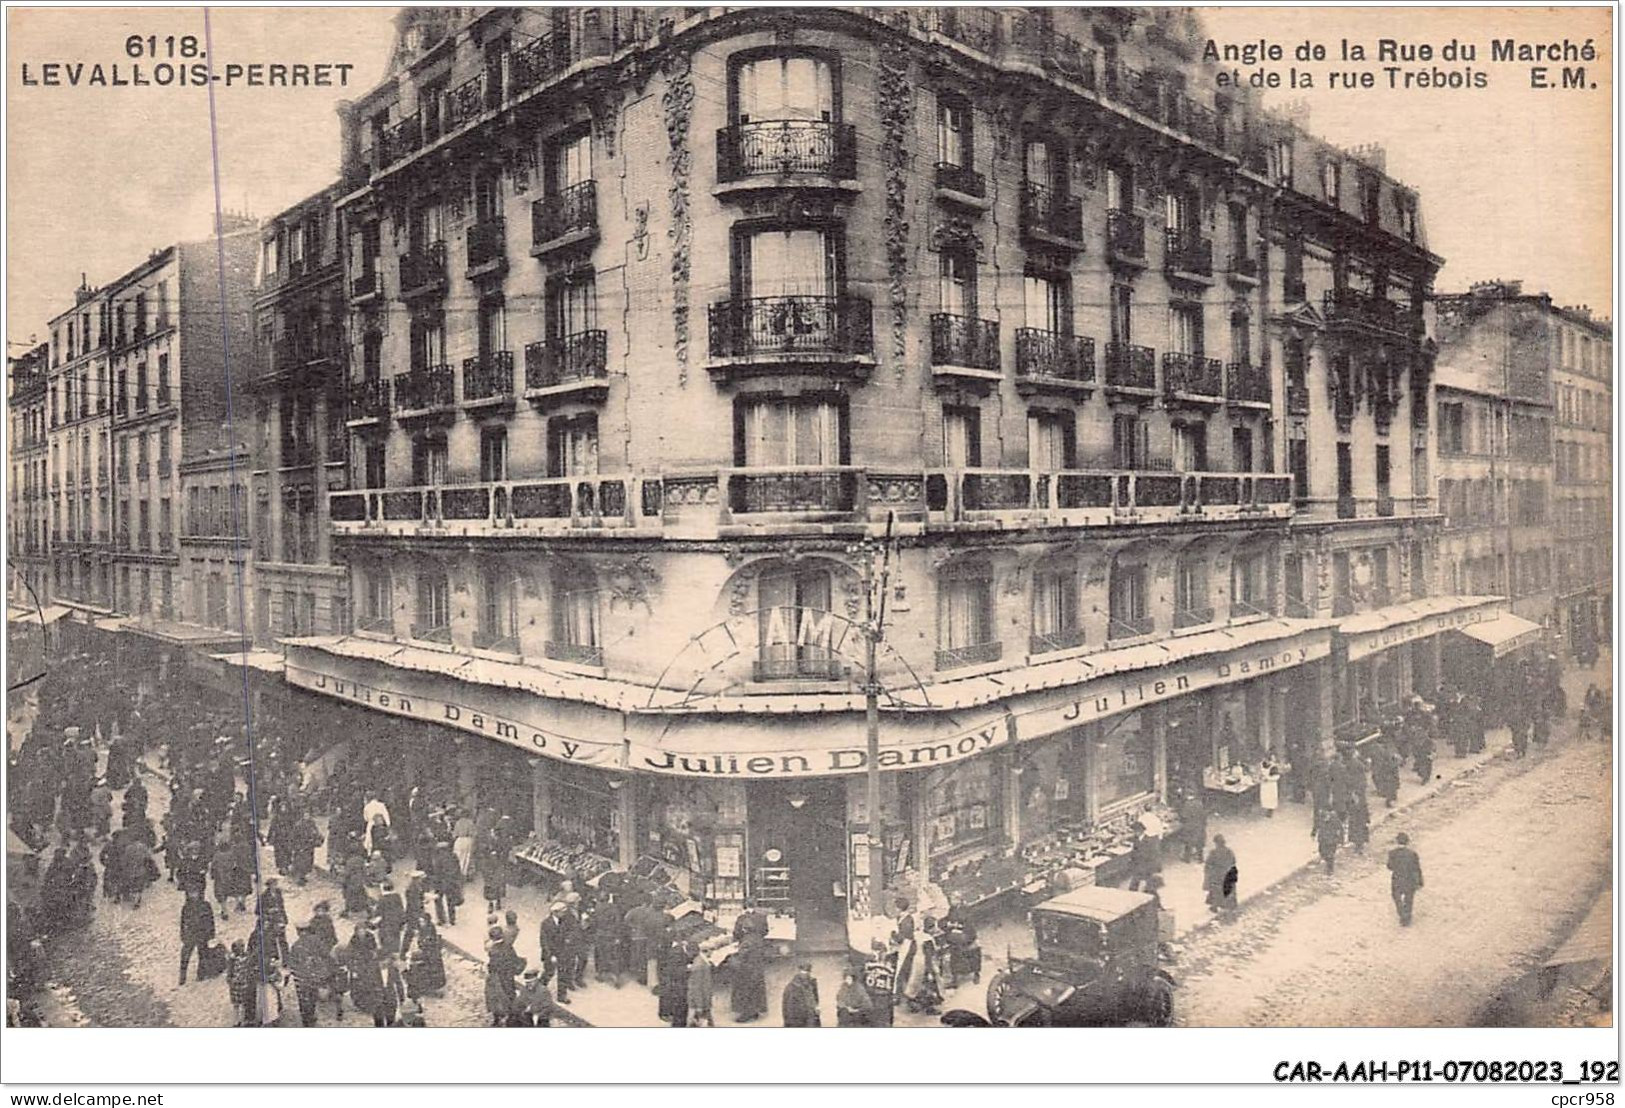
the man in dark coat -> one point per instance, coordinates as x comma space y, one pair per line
1219, 876
197, 929
800, 1000
1193, 826
310, 960
1385, 772
749, 992
1405, 866
391, 913
135, 802
302, 840
559, 940
644, 924
1328, 837
446, 879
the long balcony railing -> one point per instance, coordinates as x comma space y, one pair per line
369, 398
1118, 495
423, 270
1188, 253
568, 213
1135, 88
1051, 212
491, 507
1246, 383
487, 242
488, 376
958, 340
1053, 356
427, 388
1347, 305
400, 139
794, 489
778, 326
1125, 234
782, 147
1059, 53
565, 359
1192, 375
538, 60
1130, 367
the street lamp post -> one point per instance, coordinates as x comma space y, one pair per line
874, 631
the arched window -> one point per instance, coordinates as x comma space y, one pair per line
795, 634
1056, 623
575, 631
965, 626
1130, 598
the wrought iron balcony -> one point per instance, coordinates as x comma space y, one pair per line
424, 271
977, 28
426, 389
788, 327
580, 654
1246, 383
1059, 53
1047, 642
784, 147
572, 214
1187, 253
1135, 88
799, 489
1192, 377
1131, 367
1050, 356
1366, 309
979, 654
488, 244
1244, 268
1050, 214
566, 359
366, 284
538, 60
399, 140
1125, 235
961, 179
961, 341
369, 399
465, 102
488, 377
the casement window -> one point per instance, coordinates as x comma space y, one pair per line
425, 227
1119, 188
572, 446
1250, 583
964, 613
1192, 598
1384, 469
377, 599
1047, 302
491, 327
572, 305
787, 261
1183, 212
1042, 163
784, 87
1129, 599
1329, 182
1241, 449
957, 282
569, 162
1051, 441
487, 197
1293, 577
1122, 314
1190, 447
1056, 623
787, 599
575, 615
428, 341
494, 454
1185, 329
1131, 442
961, 437
954, 131
372, 466
1345, 469
499, 608
1241, 338
429, 461
785, 431
434, 603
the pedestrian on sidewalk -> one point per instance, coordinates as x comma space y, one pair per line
272, 913
1145, 857
197, 929
701, 990
1329, 836
1269, 787
674, 984
1359, 825
1193, 825
645, 922
446, 878
749, 992
800, 1000
1406, 867
1385, 772
241, 976
1422, 748
1220, 876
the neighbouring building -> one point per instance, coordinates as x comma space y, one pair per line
659, 320
1497, 356
28, 542
1583, 369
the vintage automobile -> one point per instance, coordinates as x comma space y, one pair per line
1096, 967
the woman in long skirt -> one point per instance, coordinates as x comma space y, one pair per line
749, 993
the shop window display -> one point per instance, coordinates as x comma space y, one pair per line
696, 828
962, 809
1125, 765
582, 810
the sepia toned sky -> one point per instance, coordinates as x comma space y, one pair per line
1515, 182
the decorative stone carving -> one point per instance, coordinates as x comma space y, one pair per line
640, 232
733, 555
896, 117
955, 232
629, 580
739, 594
677, 103
604, 105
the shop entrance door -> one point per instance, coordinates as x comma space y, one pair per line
798, 836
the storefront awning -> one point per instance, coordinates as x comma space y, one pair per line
266, 661
38, 617
180, 634
1368, 632
1505, 633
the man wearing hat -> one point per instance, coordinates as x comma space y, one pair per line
578, 938
558, 947
1406, 868
800, 1001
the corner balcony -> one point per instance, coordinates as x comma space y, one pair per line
1368, 311
494, 509
713, 503
564, 219
1125, 238
423, 272
426, 392
1247, 386
1187, 256
487, 247
1050, 361
1057, 53
829, 336
1103, 497
369, 402
573, 367
964, 349
1193, 380
962, 185
773, 153
488, 381
1131, 371
1051, 217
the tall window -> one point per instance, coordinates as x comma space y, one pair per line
1192, 598
953, 131
961, 437
377, 599
957, 284
572, 446
434, 604
428, 341
1241, 449
1119, 188
1122, 314
1129, 599
1329, 182
791, 604
1249, 582
572, 305
790, 87
1293, 575
1190, 447
429, 461
787, 262
1051, 440
1185, 329
494, 454
575, 616
1041, 164
1345, 470
965, 623
1241, 335
1384, 473
1131, 442
1056, 623
499, 608
789, 431
491, 327
1048, 302
570, 162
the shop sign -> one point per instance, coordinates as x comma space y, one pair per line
924, 753
523, 735
1369, 642
1110, 696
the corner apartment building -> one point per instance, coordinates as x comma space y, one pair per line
1497, 356
661, 318
1583, 472
302, 444
29, 574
